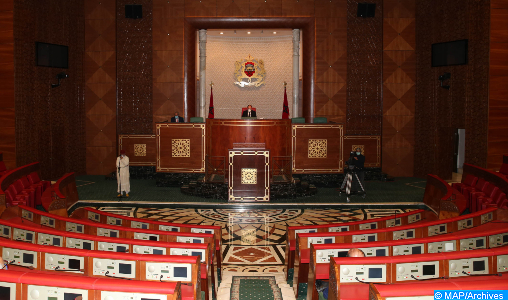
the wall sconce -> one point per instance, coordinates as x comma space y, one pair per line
59, 76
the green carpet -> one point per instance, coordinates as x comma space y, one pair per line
404, 189
255, 288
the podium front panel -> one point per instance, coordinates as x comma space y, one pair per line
180, 147
249, 175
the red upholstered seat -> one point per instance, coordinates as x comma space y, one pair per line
30, 191
305, 256
354, 291
16, 197
468, 181
322, 271
37, 183
483, 201
488, 192
479, 186
504, 170
187, 292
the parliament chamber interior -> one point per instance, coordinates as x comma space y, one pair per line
253, 149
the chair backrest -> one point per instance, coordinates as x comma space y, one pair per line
25, 182
196, 120
14, 191
470, 180
490, 189
34, 178
19, 185
480, 184
298, 120
499, 197
503, 170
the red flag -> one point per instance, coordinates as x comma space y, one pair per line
211, 111
285, 108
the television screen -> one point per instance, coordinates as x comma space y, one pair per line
87, 246
180, 272
373, 226
174, 229
6, 231
409, 234
56, 242
74, 264
5, 293
112, 234
417, 250
28, 258
429, 270
158, 252
144, 226
397, 221
442, 228
196, 253
478, 265
449, 53
71, 296
375, 273
121, 249
328, 241
505, 238
80, 228
118, 222
380, 252
479, 243
371, 238
29, 236
124, 268
51, 55
153, 238
469, 222
196, 241
343, 229
342, 254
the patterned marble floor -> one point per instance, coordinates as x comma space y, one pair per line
253, 239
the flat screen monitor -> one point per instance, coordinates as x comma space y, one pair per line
180, 272
328, 241
152, 238
209, 231
196, 241
121, 249
71, 296
505, 238
5, 293
417, 217
342, 254
429, 270
158, 252
118, 222
469, 222
478, 265
409, 234
144, 226
56, 242
343, 229
397, 221
29, 236
124, 268
380, 252
174, 229
197, 253
373, 226
51, 222
371, 238
375, 273
74, 264
51, 55
28, 258
417, 250
79, 228
113, 234
479, 243
442, 228
450, 53
87, 246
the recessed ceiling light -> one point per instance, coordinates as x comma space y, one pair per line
221, 32
248, 32
275, 32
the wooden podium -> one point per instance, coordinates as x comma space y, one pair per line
249, 173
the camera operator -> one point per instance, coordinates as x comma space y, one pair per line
359, 161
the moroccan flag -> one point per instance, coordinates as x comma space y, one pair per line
211, 112
285, 108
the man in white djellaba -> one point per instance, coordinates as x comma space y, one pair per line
122, 174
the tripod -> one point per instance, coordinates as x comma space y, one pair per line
348, 180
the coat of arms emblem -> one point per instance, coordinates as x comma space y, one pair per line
250, 72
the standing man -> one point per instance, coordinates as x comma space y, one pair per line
359, 162
122, 174
177, 119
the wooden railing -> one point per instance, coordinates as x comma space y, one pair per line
61, 196
493, 177
442, 198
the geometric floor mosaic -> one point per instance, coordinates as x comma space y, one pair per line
253, 239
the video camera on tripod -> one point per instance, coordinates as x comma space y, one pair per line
348, 179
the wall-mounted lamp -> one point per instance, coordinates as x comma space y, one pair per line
444, 77
59, 76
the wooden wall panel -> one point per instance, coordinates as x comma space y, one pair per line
229, 8
498, 91
399, 80
141, 149
440, 112
134, 44
100, 86
50, 122
370, 144
7, 111
364, 71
